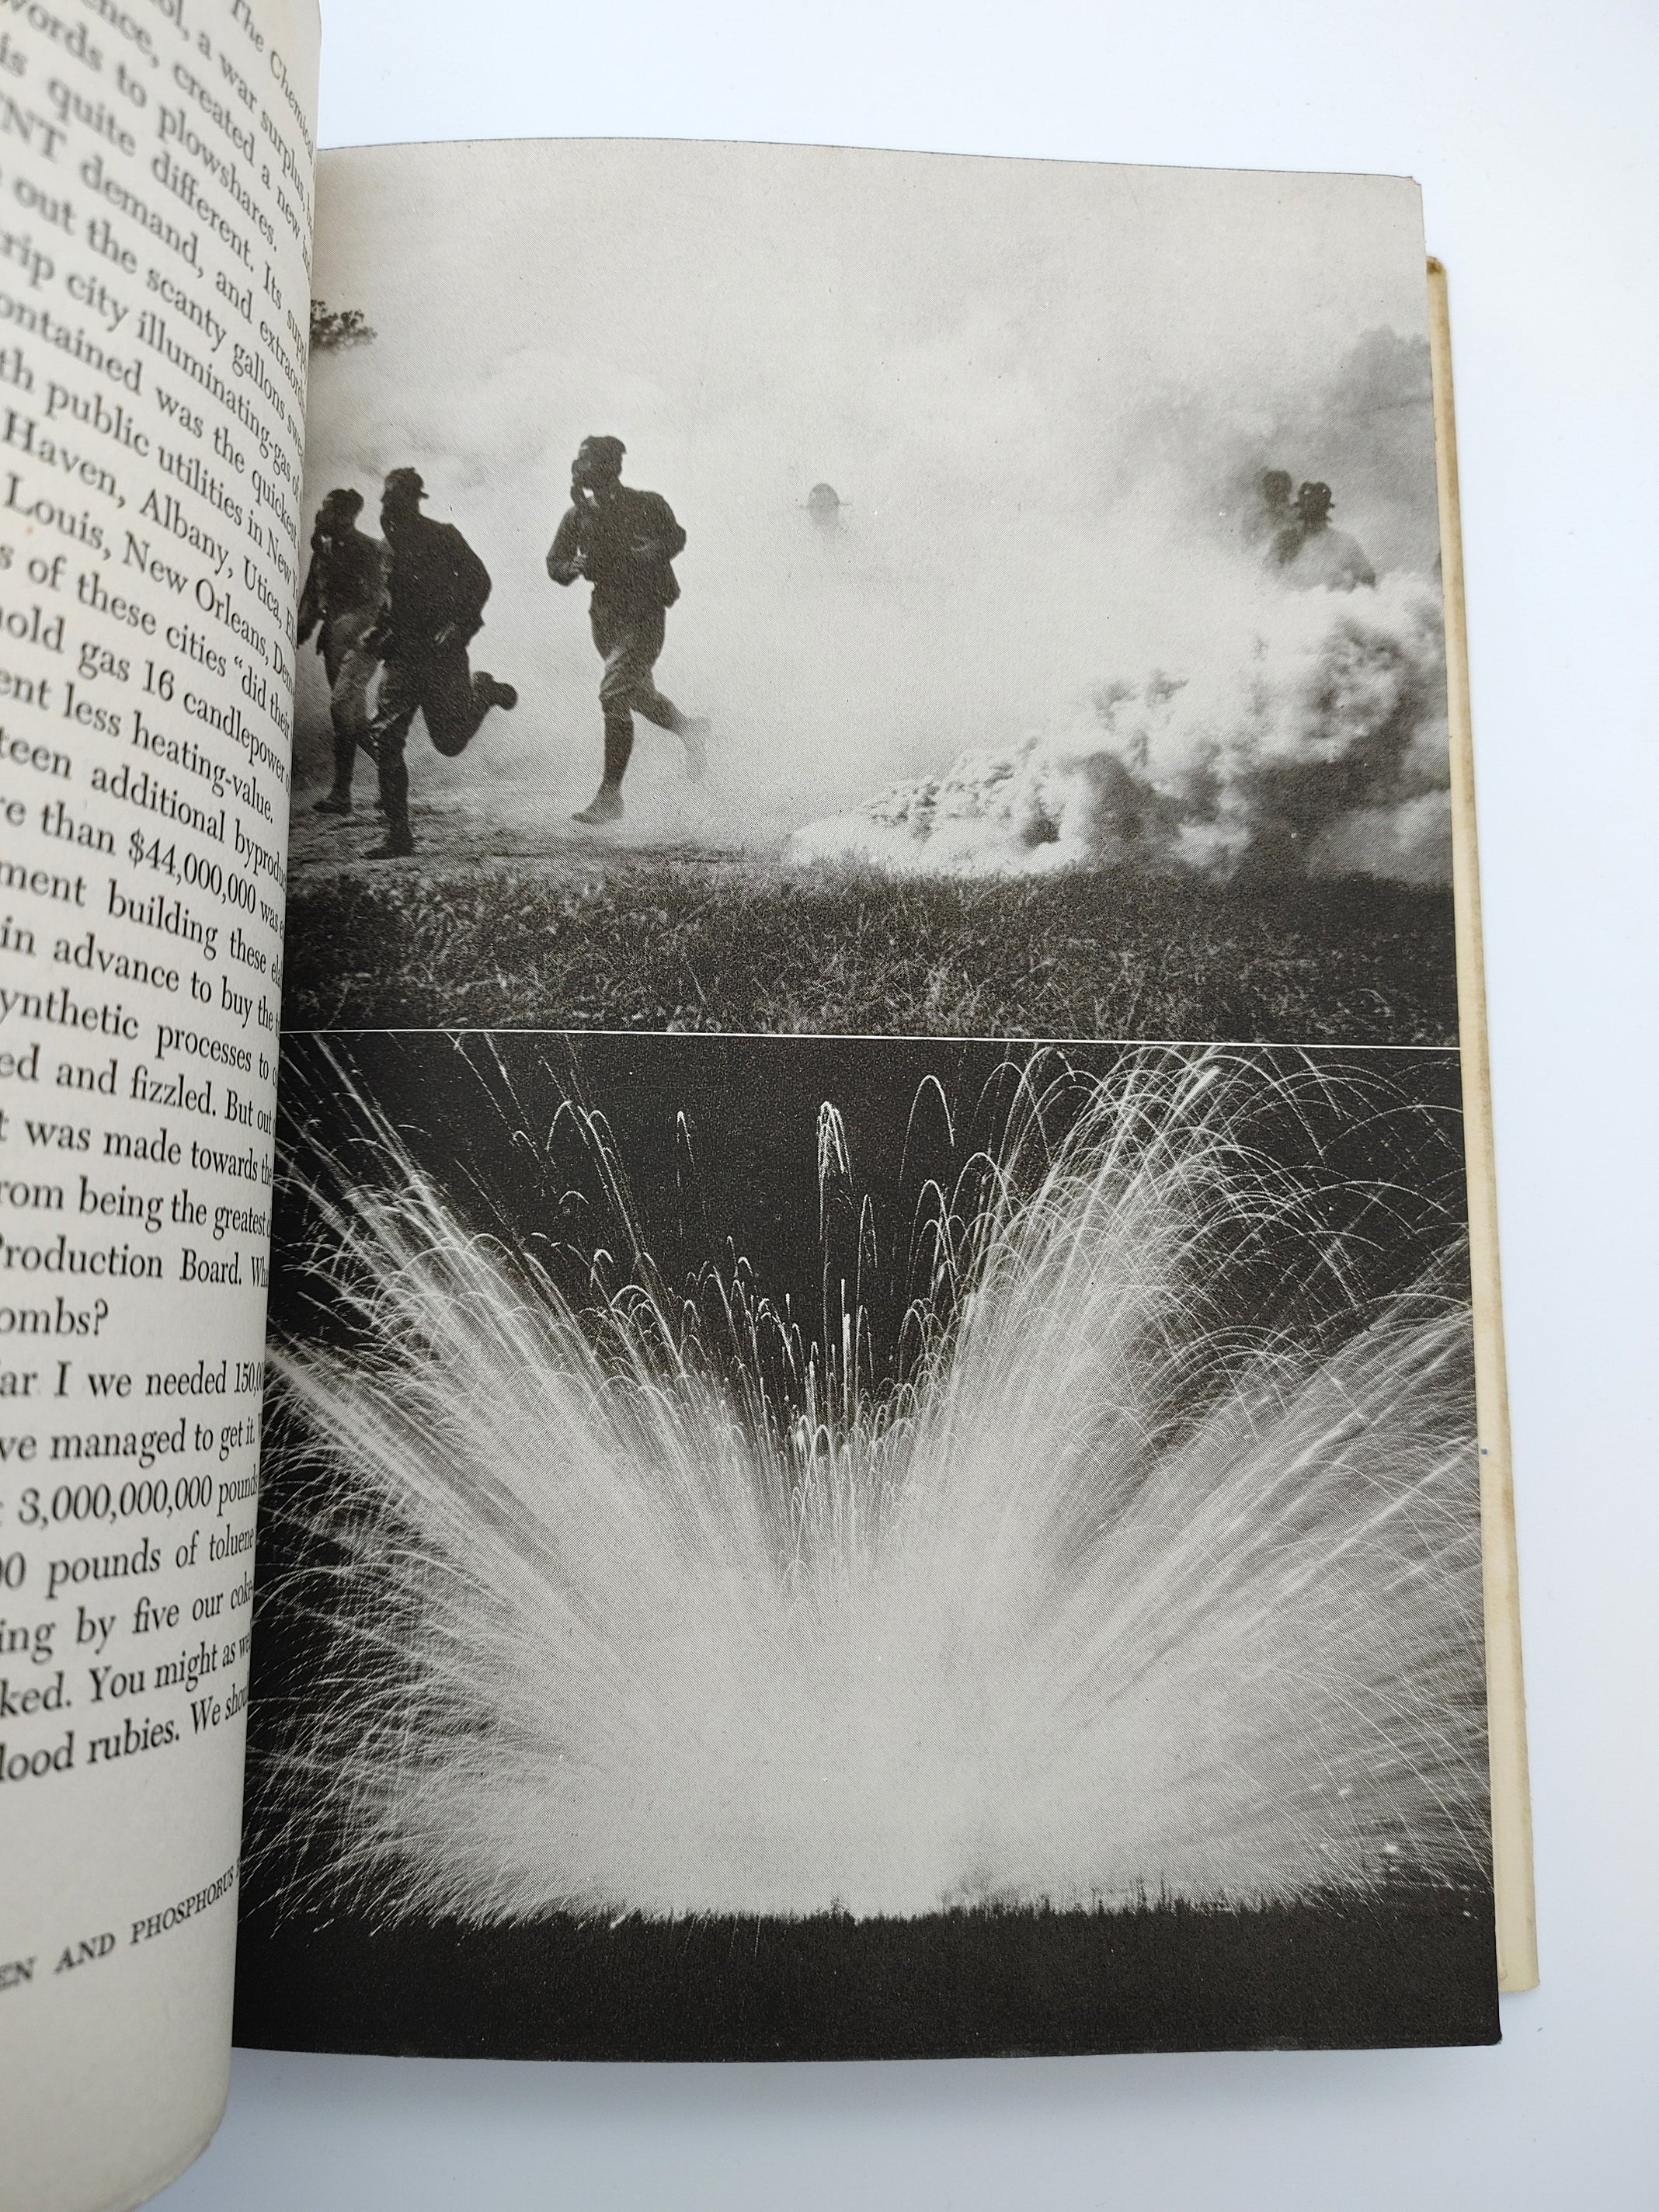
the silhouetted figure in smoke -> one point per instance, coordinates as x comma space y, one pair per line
437, 590
622, 541
1273, 511
824, 505
344, 596
1312, 555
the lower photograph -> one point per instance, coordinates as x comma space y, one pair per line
848, 1549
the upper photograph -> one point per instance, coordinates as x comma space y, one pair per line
769, 589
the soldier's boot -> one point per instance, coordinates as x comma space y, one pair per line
394, 797
338, 801
693, 736
605, 806
606, 803
398, 845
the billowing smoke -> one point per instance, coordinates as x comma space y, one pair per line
1365, 426
1240, 721
1316, 746
1041, 392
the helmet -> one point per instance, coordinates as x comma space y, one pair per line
609, 450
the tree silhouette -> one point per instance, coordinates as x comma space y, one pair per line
332, 328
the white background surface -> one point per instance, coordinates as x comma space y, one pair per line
1532, 129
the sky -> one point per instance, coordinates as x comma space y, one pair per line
1039, 387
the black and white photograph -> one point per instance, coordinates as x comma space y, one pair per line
824, 1305
794, 590
872, 1443
859, 1548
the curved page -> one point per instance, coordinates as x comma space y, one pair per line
155, 167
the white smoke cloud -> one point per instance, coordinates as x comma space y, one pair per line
1036, 386
1315, 744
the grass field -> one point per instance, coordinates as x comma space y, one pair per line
684, 941
1415, 1969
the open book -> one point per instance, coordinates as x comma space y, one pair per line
846, 778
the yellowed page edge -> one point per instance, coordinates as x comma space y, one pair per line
1506, 1713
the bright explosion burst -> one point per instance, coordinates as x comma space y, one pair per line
650, 1602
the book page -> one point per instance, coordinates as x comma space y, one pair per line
155, 181
876, 1448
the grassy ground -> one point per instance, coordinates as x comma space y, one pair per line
664, 941
1416, 1969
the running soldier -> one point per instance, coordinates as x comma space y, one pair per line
1273, 511
622, 541
343, 598
437, 590
1311, 556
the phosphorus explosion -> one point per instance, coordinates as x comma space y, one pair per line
647, 1602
